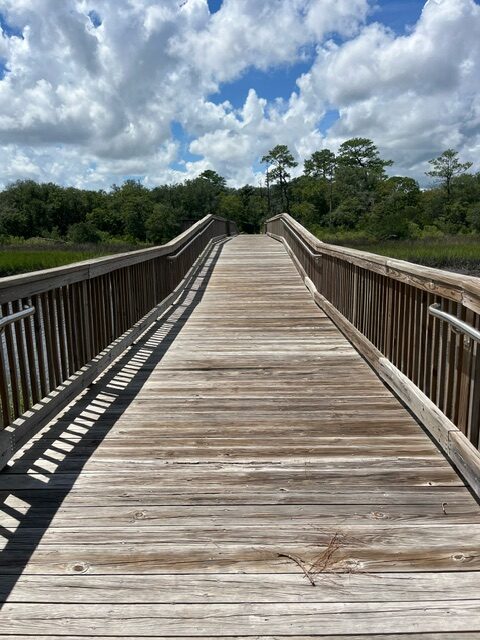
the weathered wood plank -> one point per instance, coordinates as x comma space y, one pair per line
259, 619
426, 498
409, 636
461, 511
258, 554
238, 588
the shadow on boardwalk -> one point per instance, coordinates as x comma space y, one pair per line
107, 399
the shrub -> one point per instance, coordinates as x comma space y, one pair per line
83, 233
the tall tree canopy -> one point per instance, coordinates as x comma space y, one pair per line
446, 167
280, 160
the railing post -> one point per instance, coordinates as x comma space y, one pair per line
355, 296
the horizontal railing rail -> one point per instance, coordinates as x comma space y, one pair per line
184, 248
389, 309
62, 326
457, 325
15, 317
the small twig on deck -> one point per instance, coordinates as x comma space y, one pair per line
301, 564
444, 504
323, 562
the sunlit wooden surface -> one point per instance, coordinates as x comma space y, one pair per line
239, 472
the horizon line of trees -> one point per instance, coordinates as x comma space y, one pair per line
344, 193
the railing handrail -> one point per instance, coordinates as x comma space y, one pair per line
11, 287
314, 254
185, 246
458, 325
455, 286
15, 317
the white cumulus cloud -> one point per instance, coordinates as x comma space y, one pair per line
92, 88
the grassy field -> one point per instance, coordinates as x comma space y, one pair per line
456, 253
20, 259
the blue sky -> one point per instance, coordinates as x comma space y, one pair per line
280, 81
165, 89
398, 14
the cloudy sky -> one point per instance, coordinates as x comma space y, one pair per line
95, 91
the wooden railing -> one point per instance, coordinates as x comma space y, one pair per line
389, 310
59, 328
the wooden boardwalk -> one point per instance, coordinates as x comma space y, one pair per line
239, 452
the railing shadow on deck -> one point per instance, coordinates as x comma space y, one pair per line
115, 389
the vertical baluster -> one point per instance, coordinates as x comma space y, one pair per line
40, 344
410, 317
5, 394
429, 347
61, 330
86, 313
417, 342
380, 314
442, 364
421, 352
110, 306
404, 328
355, 296
50, 338
99, 318
449, 370
55, 347
377, 311
21, 354
389, 318
465, 378
474, 409
32, 358
78, 313
397, 327
460, 360
69, 330
12, 363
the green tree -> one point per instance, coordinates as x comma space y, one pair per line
446, 167
83, 233
134, 203
14, 223
230, 206
107, 219
279, 161
321, 165
213, 178
200, 196
359, 170
162, 224
362, 154
397, 207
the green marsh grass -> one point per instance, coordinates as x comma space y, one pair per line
454, 253
16, 259
458, 253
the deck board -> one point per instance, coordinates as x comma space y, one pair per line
242, 432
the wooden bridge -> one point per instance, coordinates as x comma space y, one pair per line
196, 444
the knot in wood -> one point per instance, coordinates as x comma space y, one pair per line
459, 557
80, 567
379, 515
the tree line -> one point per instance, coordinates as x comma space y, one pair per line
350, 192
339, 194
